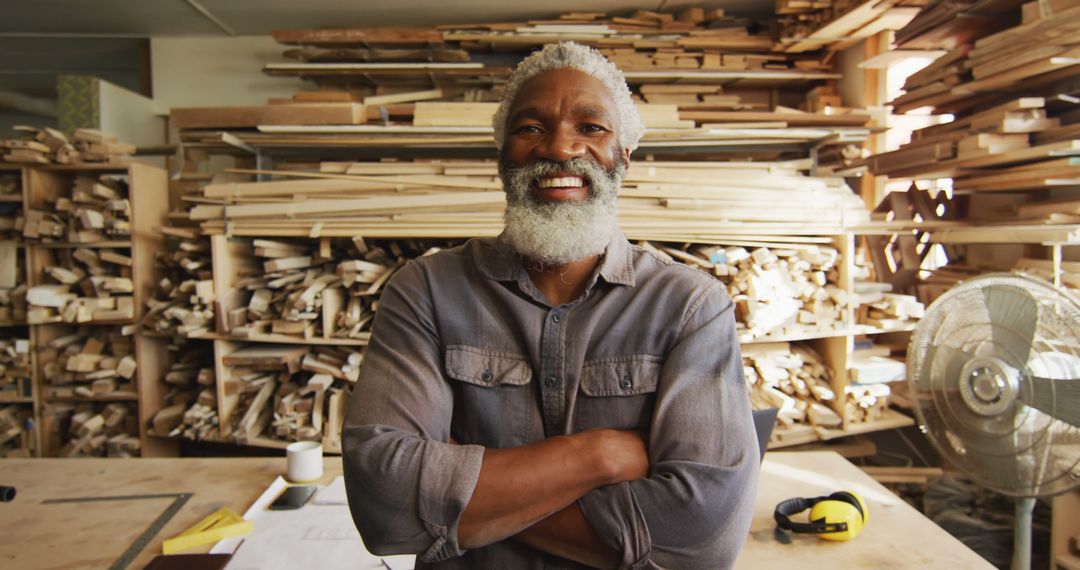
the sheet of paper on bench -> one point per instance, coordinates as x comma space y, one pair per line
315, 536
332, 494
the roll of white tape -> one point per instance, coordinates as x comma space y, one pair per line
305, 463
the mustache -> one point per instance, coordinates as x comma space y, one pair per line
541, 168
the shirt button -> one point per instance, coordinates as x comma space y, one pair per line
555, 317
549, 381
625, 383
487, 376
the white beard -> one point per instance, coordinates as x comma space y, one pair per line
556, 233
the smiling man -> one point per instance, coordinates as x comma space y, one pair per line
554, 397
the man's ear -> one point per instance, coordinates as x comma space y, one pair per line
626, 156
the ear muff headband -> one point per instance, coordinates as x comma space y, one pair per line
840, 516
785, 509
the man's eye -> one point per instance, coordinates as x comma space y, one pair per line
590, 128
526, 129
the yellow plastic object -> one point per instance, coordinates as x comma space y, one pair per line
223, 523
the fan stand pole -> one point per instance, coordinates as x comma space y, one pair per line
1022, 534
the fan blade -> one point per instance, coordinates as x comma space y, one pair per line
1058, 398
1014, 314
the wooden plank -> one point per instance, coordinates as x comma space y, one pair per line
361, 36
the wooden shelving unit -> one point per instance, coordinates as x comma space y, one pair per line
42, 185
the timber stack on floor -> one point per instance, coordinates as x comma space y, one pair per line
392, 155
757, 203
702, 79
1011, 150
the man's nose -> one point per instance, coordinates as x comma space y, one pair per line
561, 145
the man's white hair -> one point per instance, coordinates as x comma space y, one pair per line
582, 58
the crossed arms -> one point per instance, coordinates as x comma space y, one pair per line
596, 496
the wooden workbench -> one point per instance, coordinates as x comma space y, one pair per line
96, 534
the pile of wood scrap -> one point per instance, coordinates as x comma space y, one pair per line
664, 201
97, 210
16, 379
866, 402
777, 291
807, 25
11, 216
81, 285
50, 146
91, 430
190, 402
88, 362
324, 288
16, 431
183, 300
290, 393
792, 378
891, 311
12, 282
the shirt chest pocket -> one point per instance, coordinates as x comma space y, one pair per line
618, 392
493, 405
486, 368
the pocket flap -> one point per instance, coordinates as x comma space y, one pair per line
486, 367
624, 376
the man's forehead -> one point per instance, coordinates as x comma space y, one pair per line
592, 95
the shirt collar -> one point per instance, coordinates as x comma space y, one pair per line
498, 261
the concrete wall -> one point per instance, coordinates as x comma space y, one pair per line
217, 72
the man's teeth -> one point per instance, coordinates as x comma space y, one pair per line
566, 182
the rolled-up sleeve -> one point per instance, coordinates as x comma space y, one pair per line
695, 507
407, 487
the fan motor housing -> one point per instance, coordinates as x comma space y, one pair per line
988, 385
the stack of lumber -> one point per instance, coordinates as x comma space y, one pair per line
749, 203
1015, 128
439, 86
947, 24
458, 55
91, 430
873, 363
183, 300
98, 209
778, 292
807, 25
307, 289
944, 278
50, 146
15, 376
190, 403
793, 378
16, 431
89, 362
1044, 269
290, 393
81, 285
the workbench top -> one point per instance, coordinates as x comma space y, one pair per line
131, 494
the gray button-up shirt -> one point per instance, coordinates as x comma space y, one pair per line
465, 346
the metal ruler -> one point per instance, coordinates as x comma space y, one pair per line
179, 499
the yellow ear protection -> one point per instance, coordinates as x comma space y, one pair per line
840, 516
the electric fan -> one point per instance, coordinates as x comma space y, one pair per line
994, 369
